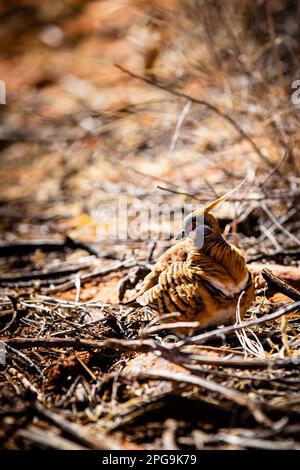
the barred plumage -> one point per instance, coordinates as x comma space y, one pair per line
199, 283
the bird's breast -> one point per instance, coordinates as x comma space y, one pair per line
228, 287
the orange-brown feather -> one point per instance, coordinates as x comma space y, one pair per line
178, 252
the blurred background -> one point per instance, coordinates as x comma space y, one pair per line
77, 131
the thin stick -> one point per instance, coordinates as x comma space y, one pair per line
185, 110
24, 359
267, 234
278, 224
251, 346
253, 443
219, 332
183, 193
14, 314
283, 159
204, 197
170, 326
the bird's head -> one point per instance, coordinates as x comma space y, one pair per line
201, 224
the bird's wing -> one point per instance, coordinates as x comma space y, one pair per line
175, 291
178, 252
214, 276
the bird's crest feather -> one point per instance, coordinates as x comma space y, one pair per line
212, 205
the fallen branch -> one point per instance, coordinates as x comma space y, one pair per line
280, 285
16, 278
233, 395
143, 346
29, 246
76, 432
48, 440
76, 343
90, 276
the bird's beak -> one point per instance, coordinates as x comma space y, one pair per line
180, 235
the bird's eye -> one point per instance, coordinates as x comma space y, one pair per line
206, 229
194, 223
